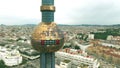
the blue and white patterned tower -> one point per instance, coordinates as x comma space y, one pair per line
47, 38
48, 15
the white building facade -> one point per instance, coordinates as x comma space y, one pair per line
77, 59
10, 57
65, 64
91, 36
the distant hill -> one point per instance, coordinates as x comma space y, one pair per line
68, 25
30, 24
116, 25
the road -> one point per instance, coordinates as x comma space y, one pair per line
83, 47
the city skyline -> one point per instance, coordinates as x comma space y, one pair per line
101, 12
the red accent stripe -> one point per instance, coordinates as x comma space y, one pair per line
57, 42
42, 42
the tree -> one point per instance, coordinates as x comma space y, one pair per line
2, 64
66, 47
77, 47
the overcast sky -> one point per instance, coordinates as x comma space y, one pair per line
102, 12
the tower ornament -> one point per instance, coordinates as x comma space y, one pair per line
47, 37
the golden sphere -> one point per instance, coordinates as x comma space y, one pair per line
47, 38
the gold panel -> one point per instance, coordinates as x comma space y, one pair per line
48, 7
46, 31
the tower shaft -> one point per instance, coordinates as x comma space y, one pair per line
47, 38
47, 60
47, 10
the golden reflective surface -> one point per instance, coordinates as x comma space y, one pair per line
47, 31
48, 7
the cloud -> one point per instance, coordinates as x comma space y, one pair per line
95, 12
20, 8
67, 11
17, 20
